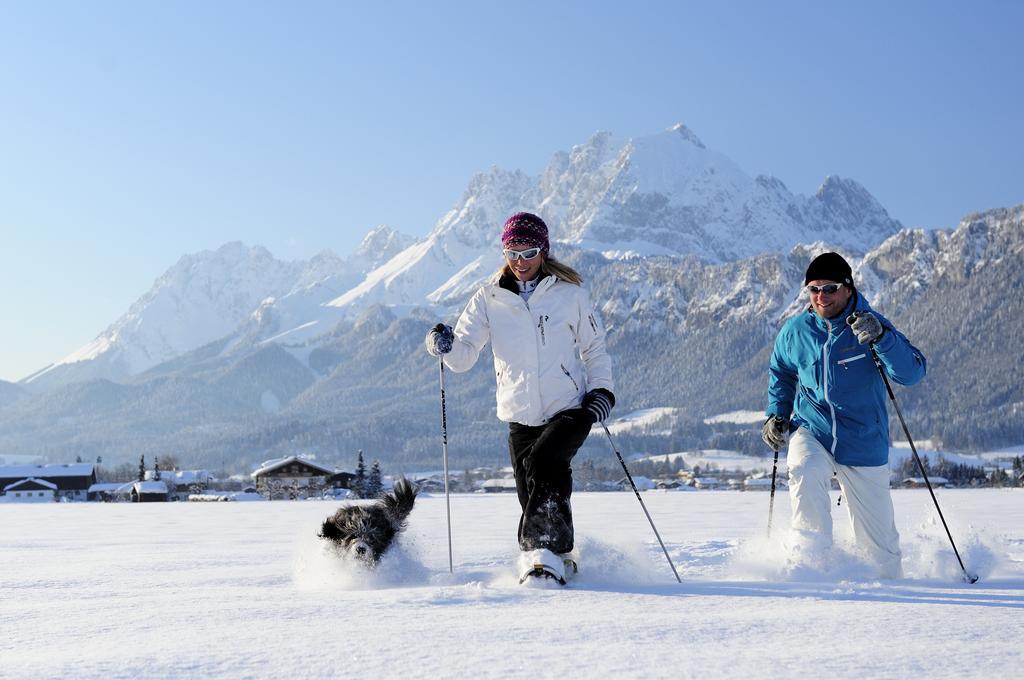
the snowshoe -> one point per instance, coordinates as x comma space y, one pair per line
545, 564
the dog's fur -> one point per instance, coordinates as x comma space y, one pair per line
365, 532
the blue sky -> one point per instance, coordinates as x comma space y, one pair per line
133, 133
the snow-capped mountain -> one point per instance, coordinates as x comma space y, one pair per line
693, 265
301, 313
201, 298
664, 194
683, 334
208, 295
9, 393
461, 247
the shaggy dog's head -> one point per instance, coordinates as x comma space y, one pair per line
365, 532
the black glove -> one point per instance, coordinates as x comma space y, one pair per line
598, 404
774, 432
866, 327
439, 340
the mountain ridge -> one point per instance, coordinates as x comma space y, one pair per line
682, 332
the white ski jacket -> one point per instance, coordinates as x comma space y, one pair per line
547, 354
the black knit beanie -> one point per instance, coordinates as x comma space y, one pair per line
829, 267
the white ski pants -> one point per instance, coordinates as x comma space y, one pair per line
866, 494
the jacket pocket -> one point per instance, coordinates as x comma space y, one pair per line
854, 373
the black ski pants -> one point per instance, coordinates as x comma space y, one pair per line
540, 461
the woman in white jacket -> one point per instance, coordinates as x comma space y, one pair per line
554, 378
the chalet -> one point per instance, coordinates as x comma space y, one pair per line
668, 483
434, 484
758, 484
29, 490
149, 492
183, 482
72, 480
498, 485
110, 491
642, 483
340, 480
291, 477
707, 482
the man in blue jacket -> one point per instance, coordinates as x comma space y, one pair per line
826, 396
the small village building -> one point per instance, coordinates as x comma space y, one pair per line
919, 483
29, 490
149, 492
757, 484
642, 483
433, 484
340, 480
291, 477
183, 482
497, 485
707, 482
71, 479
108, 492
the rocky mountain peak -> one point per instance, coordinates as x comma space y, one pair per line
688, 134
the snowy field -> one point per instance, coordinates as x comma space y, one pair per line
245, 590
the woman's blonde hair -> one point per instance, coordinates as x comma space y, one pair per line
549, 267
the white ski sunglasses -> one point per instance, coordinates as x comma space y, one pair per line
827, 289
527, 254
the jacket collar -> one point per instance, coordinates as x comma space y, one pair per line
509, 283
855, 303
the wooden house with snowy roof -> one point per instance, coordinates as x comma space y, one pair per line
291, 477
152, 491
29, 490
72, 480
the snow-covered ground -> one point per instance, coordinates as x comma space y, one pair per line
246, 590
722, 460
645, 421
737, 418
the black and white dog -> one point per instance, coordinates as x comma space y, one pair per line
365, 532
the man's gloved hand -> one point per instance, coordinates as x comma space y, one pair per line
866, 327
439, 340
775, 431
598, 404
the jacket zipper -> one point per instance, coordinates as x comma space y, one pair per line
824, 375
566, 371
843, 362
540, 325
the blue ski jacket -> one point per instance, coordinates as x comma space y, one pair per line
823, 380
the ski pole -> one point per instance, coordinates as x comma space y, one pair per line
771, 499
630, 478
444, 451
968, 577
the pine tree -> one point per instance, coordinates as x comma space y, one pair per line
156, 469
373, 484
142, 468
359, 483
